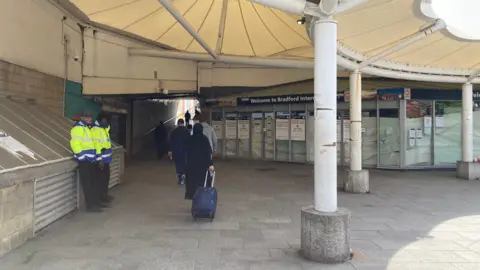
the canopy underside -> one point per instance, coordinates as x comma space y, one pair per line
257, 31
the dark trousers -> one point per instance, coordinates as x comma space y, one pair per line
89, 180
180, 160
104, 181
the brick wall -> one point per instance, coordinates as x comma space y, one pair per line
16, 216
23, 83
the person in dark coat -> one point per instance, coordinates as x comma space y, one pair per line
187, 118
160, 137
199, 161
178, 143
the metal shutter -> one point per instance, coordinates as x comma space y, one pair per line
115, 171
54, 197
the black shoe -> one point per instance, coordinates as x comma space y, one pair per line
103, 205
94, 210
107, 200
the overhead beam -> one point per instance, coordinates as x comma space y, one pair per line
221, 27
241, 60
192, 31
437, 26
473, 76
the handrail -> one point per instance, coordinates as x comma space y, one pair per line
167, 121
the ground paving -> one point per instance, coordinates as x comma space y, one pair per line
411, 220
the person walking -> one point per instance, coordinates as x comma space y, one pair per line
178, 143
199, 160
160, 138
101, 134
209, 132
86, 152
187, 118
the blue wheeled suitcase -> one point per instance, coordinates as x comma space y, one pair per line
204, 203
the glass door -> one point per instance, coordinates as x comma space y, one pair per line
418, 128
282, 136
231, 134
389, 137
244, 135
257, 135
269, 146
218, 127
369, 138
448, 128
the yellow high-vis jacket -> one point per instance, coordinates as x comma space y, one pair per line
101, 135
82, 143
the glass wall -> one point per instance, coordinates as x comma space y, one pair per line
282, 136
369, 138
269, 146
395, 133
297, 135
476, 129
244, 135
257, 135
231, 134
448, 137
419, 130
389, 137
217, 125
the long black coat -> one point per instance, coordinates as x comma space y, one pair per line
199, 159
178, 140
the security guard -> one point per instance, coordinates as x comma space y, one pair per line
101, 134
86, 153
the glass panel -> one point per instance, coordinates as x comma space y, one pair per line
217, 124
244, 135
345, 141
257, 135
297, 134
269, 146
476, 129
448, 132
231, 134
369, 138
282, 131
418, 133
389, 130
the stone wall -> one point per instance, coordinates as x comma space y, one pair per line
16, 216
36, 87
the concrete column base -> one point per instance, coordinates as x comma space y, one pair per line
468, 170
325, 236
357, 182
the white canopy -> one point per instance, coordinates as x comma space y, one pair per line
243, 28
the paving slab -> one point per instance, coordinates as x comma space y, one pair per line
410, 220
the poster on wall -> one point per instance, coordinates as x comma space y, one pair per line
439, 122
218, 128
411, 137
427, 122
297, 130
243, 129
282, 129
231, 129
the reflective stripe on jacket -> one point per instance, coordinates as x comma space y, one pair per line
82, 143
101, 135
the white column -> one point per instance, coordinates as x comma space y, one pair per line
356, 121
325, 79
467, 122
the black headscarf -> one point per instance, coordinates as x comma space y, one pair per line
198, 130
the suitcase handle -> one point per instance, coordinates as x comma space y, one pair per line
206, 177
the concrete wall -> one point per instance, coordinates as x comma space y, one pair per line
110, 70
31, 33
26, 84
16, 216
